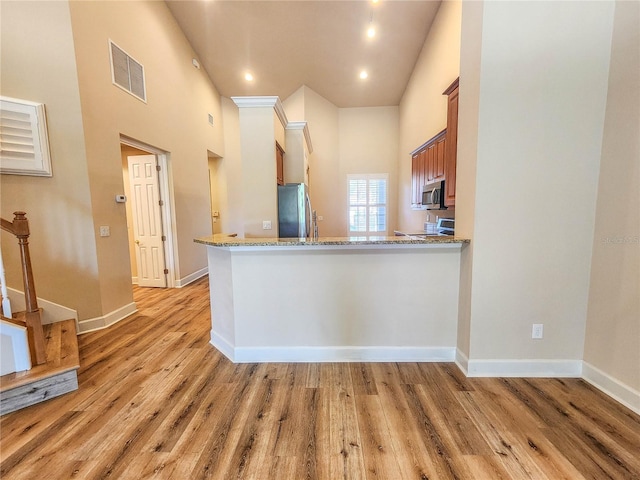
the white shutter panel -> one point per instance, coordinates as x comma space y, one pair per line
24, 145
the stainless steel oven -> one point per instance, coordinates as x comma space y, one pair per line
433, 196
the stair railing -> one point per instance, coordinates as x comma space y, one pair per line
20, 228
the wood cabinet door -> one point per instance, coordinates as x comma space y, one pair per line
451, 149
279, 164
431, 159
440, 153
415, 180
423, 170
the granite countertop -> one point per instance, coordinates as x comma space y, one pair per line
220, 241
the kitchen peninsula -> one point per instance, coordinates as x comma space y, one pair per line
334, 299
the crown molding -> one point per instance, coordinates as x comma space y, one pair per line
261, 102
305, 130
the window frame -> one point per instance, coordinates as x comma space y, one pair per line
33, 156
367, 177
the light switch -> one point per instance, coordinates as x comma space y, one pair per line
105, 231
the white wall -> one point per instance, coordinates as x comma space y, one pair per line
39, 64
368, 143
345, 141
538, 144
56, 53
469, 99
230, 172
174, 119
423, 108
258, 136
322, 120
612, 343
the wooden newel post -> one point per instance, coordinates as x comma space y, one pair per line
32, 312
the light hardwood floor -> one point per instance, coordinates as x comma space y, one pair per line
157, 401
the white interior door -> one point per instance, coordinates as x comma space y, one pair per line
147, 221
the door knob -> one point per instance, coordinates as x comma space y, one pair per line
137, 242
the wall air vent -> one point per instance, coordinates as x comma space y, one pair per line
211, 120
24, 144
127, 73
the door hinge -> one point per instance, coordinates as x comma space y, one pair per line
160, 202
166, 271
157, 168
164, 239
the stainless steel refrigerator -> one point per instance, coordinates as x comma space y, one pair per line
294, 211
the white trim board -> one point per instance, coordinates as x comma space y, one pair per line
331, 354
462, 361
98, 323
51, 312
192, 277
612, 387
525, 368
16, 356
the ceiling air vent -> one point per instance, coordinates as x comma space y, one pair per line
127, 73
211, 120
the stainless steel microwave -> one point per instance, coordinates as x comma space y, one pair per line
433, 196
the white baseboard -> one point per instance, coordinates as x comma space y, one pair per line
617, 390
331, 354
51, 312
192, 277
223, 345
462, 361
98, 323
134, 280
525, 368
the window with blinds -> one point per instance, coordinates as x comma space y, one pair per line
367, 204
24, 145
127, 73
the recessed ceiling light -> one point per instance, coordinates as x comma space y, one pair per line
363, 74
375, 1
371, 32
248, 77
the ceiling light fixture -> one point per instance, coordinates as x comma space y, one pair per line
248, 77
371, 31
363, 74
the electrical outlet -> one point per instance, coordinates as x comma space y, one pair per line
536, 331
105, 231
266, 224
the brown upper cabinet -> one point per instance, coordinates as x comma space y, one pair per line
279, 164
451, 149
427, 165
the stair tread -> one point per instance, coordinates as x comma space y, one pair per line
61, 344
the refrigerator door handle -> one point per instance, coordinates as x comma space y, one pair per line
308, 216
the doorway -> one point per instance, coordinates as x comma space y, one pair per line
145, 179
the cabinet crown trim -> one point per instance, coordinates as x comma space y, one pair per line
431, 140
451, 87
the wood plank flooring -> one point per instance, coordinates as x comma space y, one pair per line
56, 377
157, 401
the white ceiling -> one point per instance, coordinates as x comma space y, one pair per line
321, 44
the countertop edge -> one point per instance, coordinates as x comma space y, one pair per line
332, 242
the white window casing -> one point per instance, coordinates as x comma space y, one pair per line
24, 143
367, 204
